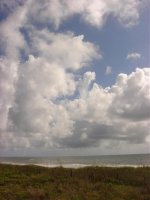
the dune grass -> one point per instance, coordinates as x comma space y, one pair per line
90, 183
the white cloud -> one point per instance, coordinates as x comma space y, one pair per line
127, 12
119, 113
8, 77
11, 39
30, 115
28, 88
39, 83
133, 96
108, 70
67, 50
45, 102
134, 56
94, 13
36, 119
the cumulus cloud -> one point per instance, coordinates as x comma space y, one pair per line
47, 99
8, 77
132, 101
35, 89
11, 39
67, 50
119, 113
94, 13
134, 56
30, 87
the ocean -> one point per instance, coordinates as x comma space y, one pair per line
136, 160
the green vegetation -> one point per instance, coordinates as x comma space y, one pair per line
90, 183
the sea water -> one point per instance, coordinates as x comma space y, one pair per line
135, 160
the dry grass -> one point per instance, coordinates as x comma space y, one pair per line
90, 183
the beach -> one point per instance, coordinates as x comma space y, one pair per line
26, 182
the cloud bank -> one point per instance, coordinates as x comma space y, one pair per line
47, 100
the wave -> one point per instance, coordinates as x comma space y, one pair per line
74, 165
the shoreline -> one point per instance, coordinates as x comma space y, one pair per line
134, 161
75, 165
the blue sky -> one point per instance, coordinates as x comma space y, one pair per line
75, 77
115, 42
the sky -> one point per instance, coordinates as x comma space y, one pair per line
74, 77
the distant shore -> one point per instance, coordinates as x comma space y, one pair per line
30, 182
